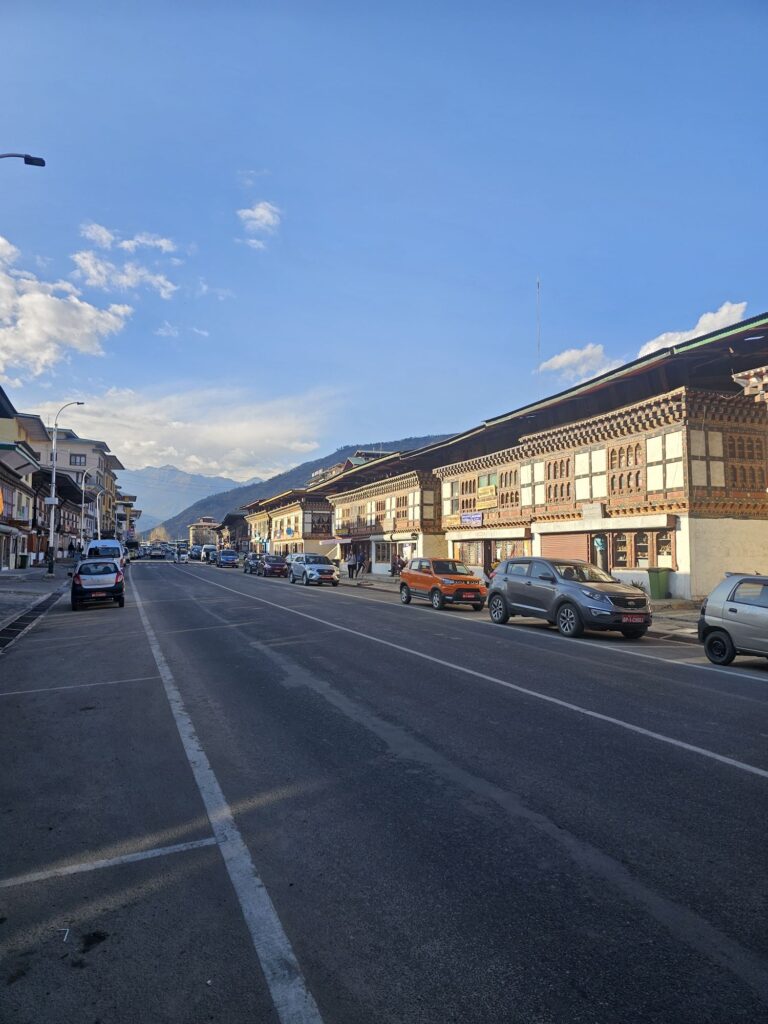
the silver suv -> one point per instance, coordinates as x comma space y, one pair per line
312, 569
734, 618
569, 593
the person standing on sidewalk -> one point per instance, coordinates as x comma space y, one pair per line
351, 564
360, 563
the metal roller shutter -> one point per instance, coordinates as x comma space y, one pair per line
565, 545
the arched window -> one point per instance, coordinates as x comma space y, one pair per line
732, 474
621, 481
630, 456
740, 447
637, 481
621, 458
568, 491
613, 458
742, 477
750, 448
761, 478
752, 483
562, 491
613, 484
638, 455
758, 449
549, 492
731, 448
629, 482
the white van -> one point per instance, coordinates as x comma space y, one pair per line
106, 549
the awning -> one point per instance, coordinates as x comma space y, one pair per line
15, 455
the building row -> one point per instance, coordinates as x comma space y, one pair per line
660, 464
88, 502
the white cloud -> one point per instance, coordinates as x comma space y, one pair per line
209, 430
167, 330
105, 238
146, 240
203, 288
576, 364
201, 332
729, 313
41, 322
98, 235
260, 219
100, 273
253, 243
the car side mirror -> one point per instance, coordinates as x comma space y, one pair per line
547, 577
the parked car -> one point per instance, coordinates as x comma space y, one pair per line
250, 562
271, 565
309, 568
195, 551
441, 581
572, 594
206, 551
97, 581
228, 559
734, 618
156, 551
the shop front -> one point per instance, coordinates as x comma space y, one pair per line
482, 547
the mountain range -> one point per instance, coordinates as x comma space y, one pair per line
217, 505
163, 491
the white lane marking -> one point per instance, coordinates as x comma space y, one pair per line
638, 729
292, 999
111, 862
76, 686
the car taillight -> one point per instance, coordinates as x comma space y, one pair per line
76, 579
119, 578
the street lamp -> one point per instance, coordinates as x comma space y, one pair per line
52, 501
32, 161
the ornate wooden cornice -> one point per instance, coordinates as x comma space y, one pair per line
416, 479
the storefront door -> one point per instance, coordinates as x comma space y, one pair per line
600, 551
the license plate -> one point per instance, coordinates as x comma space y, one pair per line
632, 618
469, 597
98, 593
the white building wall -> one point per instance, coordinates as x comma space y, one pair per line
718, 546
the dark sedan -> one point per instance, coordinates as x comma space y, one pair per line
97, 581
271, 565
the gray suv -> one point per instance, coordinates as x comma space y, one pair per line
734, 618
569, 593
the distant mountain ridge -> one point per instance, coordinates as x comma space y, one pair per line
163, 491
217, 505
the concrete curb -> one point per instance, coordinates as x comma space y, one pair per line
19, 612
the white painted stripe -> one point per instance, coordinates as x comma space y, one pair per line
111, 862
609, 719
292, 999
76, 686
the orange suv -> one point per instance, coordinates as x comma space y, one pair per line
441, 581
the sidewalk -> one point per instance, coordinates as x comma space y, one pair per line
21, 589
673, 620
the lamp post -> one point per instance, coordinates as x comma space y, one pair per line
31, 161
52, 501
82, 507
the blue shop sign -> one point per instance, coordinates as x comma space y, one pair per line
471, 518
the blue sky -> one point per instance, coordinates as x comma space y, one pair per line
405, 172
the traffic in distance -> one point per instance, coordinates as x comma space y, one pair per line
573, 595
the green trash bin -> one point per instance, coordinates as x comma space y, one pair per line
658, 582
23, 561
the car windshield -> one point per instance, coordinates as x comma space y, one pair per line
582, 572
274, 560
316, 560
228, 552
447, 565
98, 569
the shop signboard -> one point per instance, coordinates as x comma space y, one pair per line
592, 510
472, 518
487, 497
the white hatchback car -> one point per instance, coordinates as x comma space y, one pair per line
734, 618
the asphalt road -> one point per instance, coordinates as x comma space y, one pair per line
236, 800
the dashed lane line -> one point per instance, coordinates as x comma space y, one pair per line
536, 694
292, 999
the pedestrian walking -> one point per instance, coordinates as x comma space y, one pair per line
71, 549
351, 564
360, 563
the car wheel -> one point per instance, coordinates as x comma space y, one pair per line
634, 634
477, 606
497, 609
569, 621
437, 600
719, 648
305, 580
334, 583
75, 606
121, 602
291, 578
405, 594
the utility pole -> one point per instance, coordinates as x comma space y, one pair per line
53, 501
